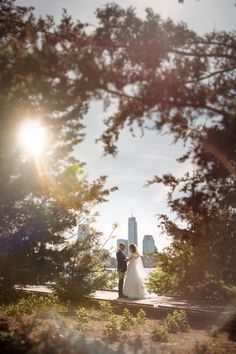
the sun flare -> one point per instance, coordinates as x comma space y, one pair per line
32, 137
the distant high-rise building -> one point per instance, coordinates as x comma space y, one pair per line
126, 245
132, 230
148, 244
83, 232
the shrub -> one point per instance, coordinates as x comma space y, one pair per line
14, 342
127, 320
141, 317
231, 328
214, 331
54, 340
111, 281
113, 328
176, 321
105, 309
83, 270
159, 334
209, 287
161, 283
82, 314
33, 305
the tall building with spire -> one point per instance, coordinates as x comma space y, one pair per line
132, 230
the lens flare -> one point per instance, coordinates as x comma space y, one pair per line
32, 137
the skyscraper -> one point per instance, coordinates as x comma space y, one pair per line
148, 244
126, 245
132, 230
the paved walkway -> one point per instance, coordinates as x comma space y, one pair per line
159, 301
38, 289
204, 313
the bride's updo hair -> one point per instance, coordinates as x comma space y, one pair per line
133, 248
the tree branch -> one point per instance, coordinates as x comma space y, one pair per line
216, 110
120, 94
219, 156
210, 75
199, 55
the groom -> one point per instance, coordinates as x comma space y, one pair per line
121, 267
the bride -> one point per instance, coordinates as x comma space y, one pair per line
134, 286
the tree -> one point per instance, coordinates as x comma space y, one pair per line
163, 76
167, 77
164, 73
42, 197
83, 269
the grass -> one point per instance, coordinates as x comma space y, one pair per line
43, 325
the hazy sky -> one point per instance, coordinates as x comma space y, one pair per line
139, 158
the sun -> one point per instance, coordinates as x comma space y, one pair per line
32, 137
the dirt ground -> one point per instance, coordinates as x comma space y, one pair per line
135, 339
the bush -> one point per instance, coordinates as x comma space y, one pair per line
176, 321
33, 305
159, 334
210, 287
177, 274
141, 317
14, 342
113, 328
83, 270
161, 283
214, 331
105, 309
82, 315
62, 340
111, 281
231, 328
127, 320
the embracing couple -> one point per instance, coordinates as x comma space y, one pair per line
131, 286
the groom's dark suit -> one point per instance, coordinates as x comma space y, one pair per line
121, 268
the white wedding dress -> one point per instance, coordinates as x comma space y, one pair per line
134, 285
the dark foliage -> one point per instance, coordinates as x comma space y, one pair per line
43, 197
83, 270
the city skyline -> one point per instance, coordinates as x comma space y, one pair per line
147, 246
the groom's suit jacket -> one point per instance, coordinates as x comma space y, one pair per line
121, 261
